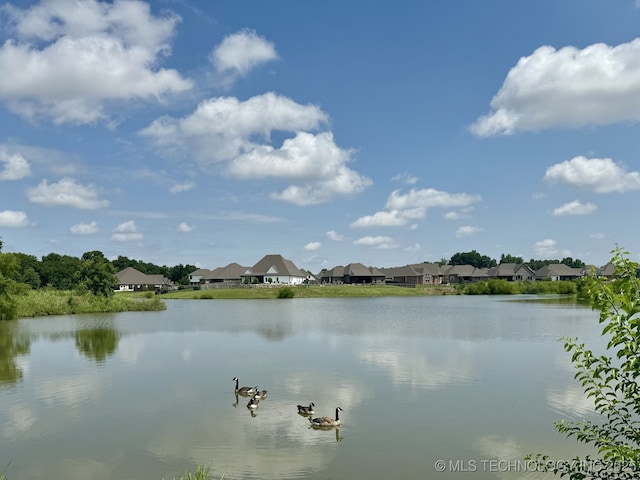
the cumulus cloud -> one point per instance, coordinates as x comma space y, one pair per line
574, 208
67, 193
84, 228
335, 236
240, 53
376, 242
13, 219
239, 133
570, 87
402, 208
468, 230
549, 249
185, 227
127, 232
66, 59
311, 246
15, 166
599, 175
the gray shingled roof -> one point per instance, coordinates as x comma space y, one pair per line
275, 265
131, 276
558, 270
233, 270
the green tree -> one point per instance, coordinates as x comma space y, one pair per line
611, 380
472, 258
9, 288
510, 259
96, 274
59, 271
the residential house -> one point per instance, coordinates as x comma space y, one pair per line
274, 269
196, 277
559, 271
132, 280
353, 273
512, 272
432, 272
453, 274
407, 275
229, 275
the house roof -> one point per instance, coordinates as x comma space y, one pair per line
201, 272
275, 265
131, 276
233, 270
558, 270
465, 271
510, 270
433, 269
359, 270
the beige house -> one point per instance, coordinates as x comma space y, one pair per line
132, 280
353, 273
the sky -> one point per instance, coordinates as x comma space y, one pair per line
379, 132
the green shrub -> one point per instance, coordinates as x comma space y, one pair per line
286, 292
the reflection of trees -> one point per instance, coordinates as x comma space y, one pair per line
12, 344
97, 343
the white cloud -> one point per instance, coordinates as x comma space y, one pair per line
468, 230
66, 192
240, 53
597, 85
335, 236
599, 175
15, 166
127, 232
548, 249
574, 208
405, 178
402, 208
222, 128
375, 242
228, 130
13, 219
185, 228
597, 236
315, 164
181, 187
311, 246
67, 59
84, 228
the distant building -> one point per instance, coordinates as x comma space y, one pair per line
132, 280
274, 269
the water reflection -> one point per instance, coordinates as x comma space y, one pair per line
97, 343
12, 344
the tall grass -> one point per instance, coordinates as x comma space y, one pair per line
56, 302
201, 473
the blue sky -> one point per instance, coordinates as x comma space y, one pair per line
330, 132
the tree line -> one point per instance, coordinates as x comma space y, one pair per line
483, 261
65, 272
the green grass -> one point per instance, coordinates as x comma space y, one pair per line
201, 473
313, 291
55, 302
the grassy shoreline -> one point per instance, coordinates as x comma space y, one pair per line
313, 291
44, 302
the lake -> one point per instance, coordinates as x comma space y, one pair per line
464, 384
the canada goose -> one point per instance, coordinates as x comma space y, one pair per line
327, 421
260, 394
253, 403
244, 391
303, 410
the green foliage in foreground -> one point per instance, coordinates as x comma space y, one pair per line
35, 303
496, 286
610, 380
201, 473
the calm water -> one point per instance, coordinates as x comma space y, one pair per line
148, 395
